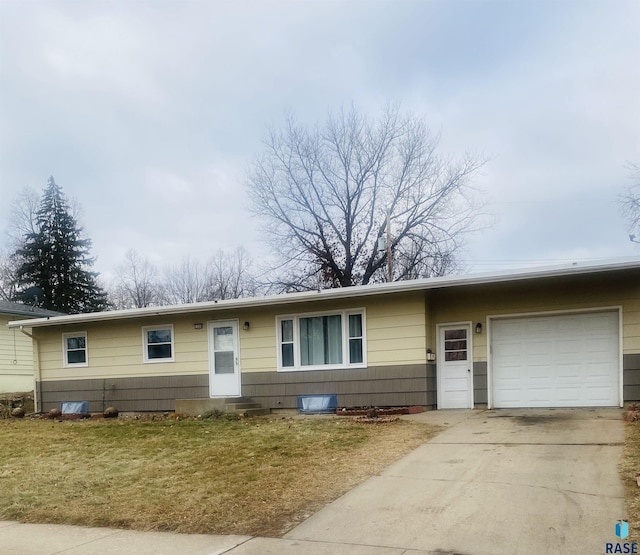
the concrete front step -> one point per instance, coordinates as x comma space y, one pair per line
235, 407
254, 412
240, 405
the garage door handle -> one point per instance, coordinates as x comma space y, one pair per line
468, 369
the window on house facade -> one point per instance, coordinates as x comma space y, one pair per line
320, 341
74, 346
158, 343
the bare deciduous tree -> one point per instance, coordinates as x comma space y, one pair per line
325, 193
23, 217
136, 283
231, 275
630, 201
187, 282
21, 222
8, 276
227, 275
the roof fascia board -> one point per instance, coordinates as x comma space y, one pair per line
18, 313
331, 294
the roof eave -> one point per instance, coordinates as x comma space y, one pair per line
329, 294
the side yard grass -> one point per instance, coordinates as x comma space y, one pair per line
629, 467
255, 476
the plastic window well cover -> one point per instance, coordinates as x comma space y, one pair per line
317, 403
75, 407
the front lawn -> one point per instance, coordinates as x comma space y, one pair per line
629, 467
254, 476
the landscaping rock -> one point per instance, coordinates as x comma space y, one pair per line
55, 413
111, 412
18, 412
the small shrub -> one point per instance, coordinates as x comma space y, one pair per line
213, 414
216, 414
231, 416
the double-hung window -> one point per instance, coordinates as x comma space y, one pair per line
74, 347
321, 341
158, 343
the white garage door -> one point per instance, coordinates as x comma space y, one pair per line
568, 360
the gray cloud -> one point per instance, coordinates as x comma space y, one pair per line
150, 112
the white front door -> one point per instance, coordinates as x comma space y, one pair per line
455, 365
224, 366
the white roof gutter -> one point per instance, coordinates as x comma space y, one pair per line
329, 294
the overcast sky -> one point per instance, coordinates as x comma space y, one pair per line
149, 112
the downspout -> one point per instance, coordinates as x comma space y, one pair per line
37, 402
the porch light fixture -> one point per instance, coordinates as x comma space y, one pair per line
431, 356
245, 326
197, 326
478, 327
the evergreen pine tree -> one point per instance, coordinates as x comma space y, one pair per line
56, 260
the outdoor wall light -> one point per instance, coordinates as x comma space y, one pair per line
197, 326
431, 356
478, 327
245, 326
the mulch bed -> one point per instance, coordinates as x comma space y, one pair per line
384, 411
376, 419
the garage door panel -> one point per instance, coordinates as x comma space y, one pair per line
556, 361
568, 346
539, 394
600, 394
569, 372
600, 345
600, 322
540, 374
567, 396
600, 371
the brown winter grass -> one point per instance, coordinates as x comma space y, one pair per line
254, 476
629, 467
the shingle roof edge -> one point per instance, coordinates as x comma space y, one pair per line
346, 292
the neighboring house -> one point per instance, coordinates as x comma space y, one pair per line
16, 349
557, 337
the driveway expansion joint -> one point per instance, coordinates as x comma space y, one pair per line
497, 483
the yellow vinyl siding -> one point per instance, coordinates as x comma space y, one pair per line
258, 347
476, 303
400, 327
115, 349
395, 335
396, 330
16, 358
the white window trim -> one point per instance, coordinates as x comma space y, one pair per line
145, 350
297, 367
65, 359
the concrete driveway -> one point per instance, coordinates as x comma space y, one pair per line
505, 481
